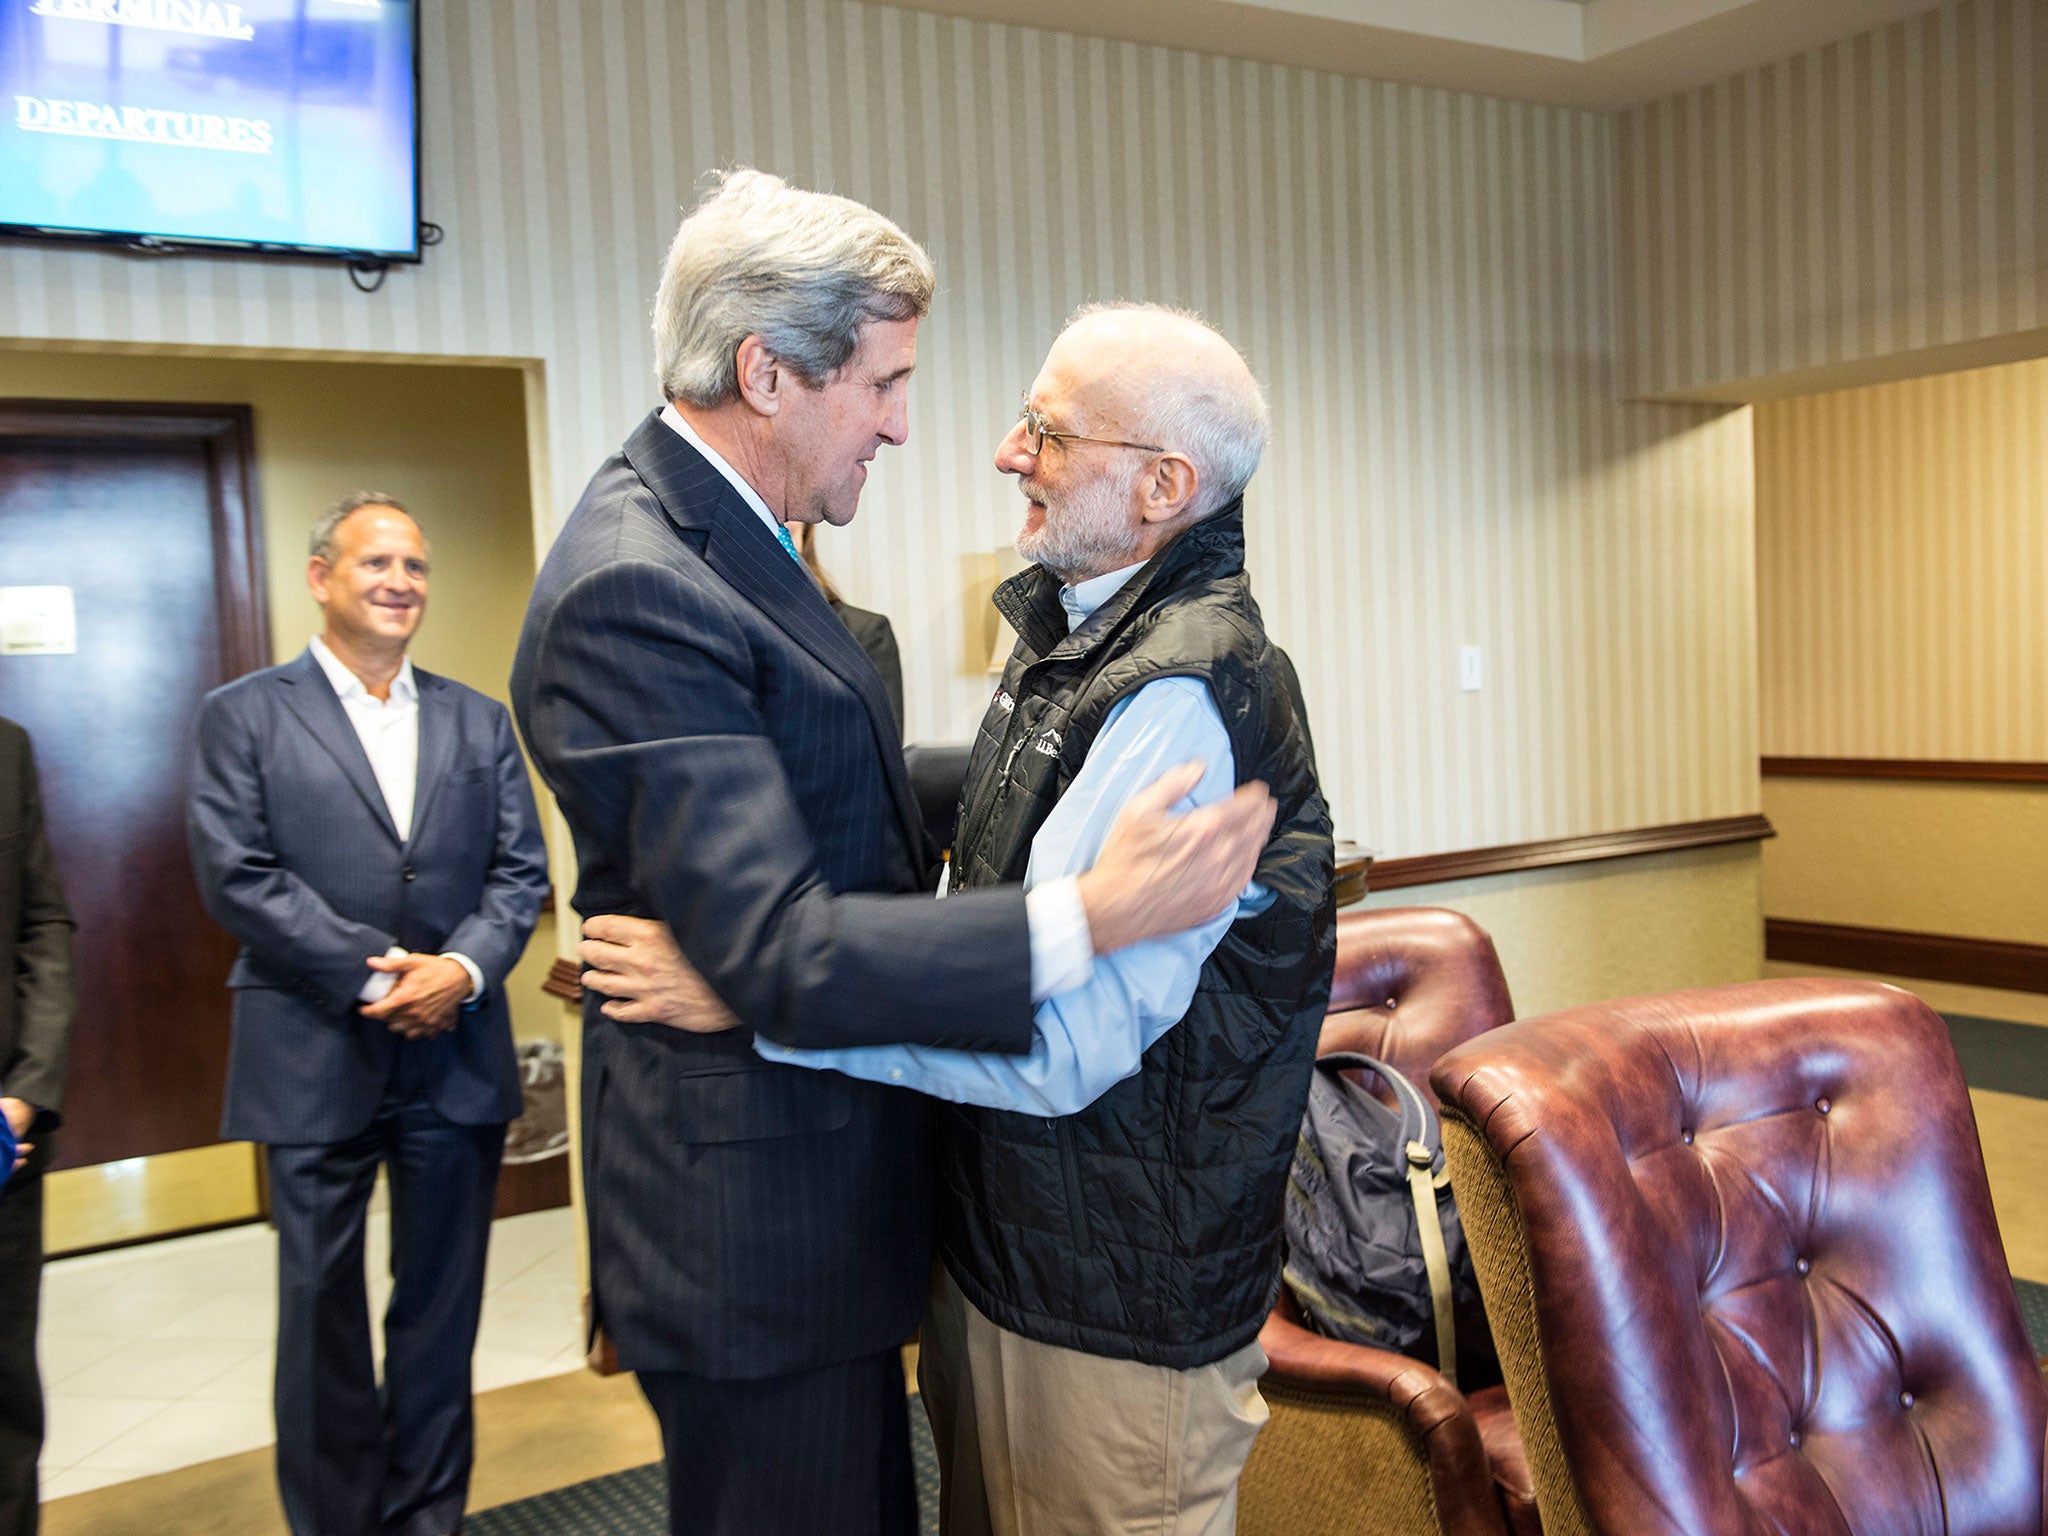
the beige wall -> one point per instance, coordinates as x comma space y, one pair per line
450, 440
1929, 858
1879, 196
1902, 557
1902, 562
1961, 859
1425, 279
1585, 932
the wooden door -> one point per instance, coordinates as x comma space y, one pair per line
144, 512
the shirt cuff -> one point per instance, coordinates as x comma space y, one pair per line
381, 982
476, 977
1062, 949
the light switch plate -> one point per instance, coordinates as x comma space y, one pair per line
1471, 669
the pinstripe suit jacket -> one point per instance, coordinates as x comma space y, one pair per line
725, 755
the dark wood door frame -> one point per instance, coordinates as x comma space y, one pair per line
226, 434
218, 524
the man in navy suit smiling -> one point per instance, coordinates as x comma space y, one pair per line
367, 831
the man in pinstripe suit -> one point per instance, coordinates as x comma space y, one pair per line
725, 755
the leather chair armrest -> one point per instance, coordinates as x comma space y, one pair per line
1434, 1411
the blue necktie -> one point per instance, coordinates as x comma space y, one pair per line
788, 543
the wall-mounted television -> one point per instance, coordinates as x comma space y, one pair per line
270, 125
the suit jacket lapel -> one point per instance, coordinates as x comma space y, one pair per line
312, 698
751, 560
437, 746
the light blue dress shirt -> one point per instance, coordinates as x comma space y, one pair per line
1091, 1037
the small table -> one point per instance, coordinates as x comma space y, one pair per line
1354, 867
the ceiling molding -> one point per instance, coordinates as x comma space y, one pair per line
1317, 34
1541, 28
1889, 368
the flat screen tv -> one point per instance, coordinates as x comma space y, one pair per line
271, 125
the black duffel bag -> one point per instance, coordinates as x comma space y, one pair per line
1375, 1253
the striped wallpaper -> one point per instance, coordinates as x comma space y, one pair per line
1425, 280
1879, 195
1902, 558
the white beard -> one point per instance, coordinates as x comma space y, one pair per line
1086, 533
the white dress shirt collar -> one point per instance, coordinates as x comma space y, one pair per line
673, 420
346, 684
1082, 599
389, 730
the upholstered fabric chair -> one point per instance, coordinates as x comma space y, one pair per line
1741, 1264
1365, 1442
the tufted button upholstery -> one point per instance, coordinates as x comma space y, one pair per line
1411, 983
1803, 1322
1362, 1438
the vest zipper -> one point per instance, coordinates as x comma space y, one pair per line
1070, 1170
986, 800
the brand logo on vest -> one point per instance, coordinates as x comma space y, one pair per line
1003, 701
1049, 744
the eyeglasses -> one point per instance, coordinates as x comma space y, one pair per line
1037, 430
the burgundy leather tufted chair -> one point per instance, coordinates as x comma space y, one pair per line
1411, 983
1365, 1442
1741, 1264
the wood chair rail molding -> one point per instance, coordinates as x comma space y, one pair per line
1933, 769
1472, 863
2000, 963
563, 979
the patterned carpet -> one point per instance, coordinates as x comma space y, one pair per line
635, 1503
2034, 1308
2001, 1055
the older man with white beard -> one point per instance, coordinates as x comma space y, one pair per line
1109, 1204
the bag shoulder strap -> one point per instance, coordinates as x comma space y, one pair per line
1422, 1187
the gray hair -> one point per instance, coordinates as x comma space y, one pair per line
320, 545
1216, 416
804, 271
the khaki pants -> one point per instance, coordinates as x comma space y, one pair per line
1036, 1440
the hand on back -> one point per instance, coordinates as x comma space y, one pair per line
635, 964
1160, 873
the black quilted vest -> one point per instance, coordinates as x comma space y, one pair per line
1147, 1227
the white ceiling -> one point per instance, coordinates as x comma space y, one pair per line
1601, 53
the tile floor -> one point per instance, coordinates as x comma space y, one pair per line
159, 1356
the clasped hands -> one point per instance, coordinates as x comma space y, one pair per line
426, 998
1158, 873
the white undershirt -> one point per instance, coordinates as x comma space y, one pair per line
673, 420
389, 730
